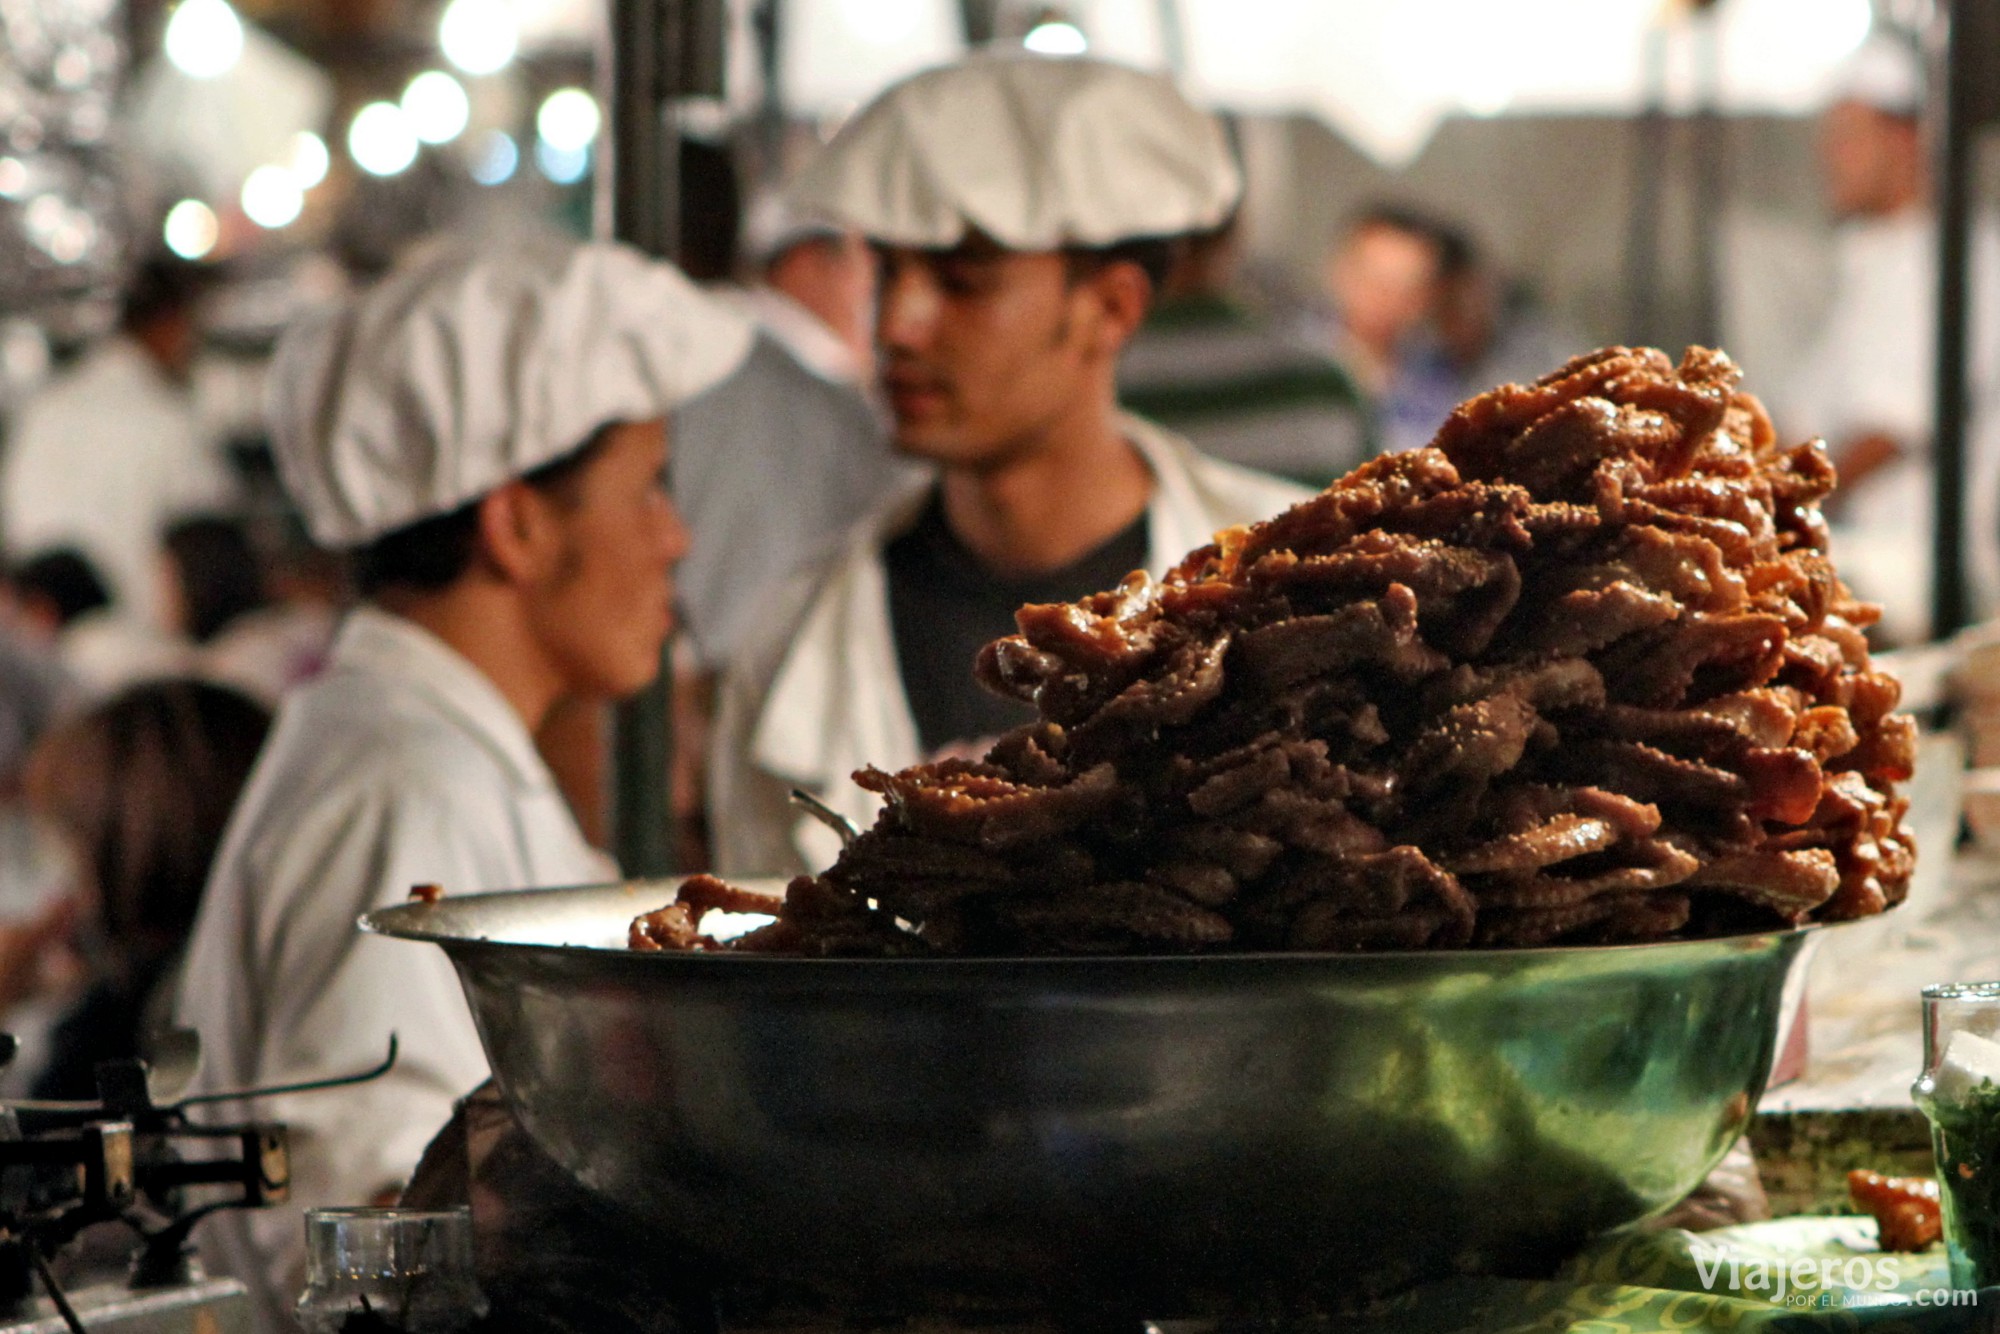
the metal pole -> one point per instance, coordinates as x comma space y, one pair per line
1642, 234
1969, 25
661, 51
1711, 147
644, 204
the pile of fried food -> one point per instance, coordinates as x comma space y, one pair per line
1579, 672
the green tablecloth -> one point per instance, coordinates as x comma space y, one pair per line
1728, 1279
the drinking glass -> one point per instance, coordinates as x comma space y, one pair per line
369, 1271
1959, 1091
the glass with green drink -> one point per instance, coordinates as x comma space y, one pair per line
1960, 1092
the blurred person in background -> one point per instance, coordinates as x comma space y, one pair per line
1865, 380
780, 458
1237, 384
485, 430
812, 288
210, 577
1004, 305
768, 468
112, 450
35, 691
1488, 330
1383, 278
217, 598
62, 602
52, 590
137, 790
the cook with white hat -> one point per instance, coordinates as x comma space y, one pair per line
1023, 209
484, 430
1865, 380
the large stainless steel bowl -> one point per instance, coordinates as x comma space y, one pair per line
1164, 1135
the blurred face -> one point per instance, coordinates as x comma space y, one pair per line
602, 606
982, 350
834, 278
1383, 281
1864, 155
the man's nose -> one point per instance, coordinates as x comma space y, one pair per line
906, 309
674, 536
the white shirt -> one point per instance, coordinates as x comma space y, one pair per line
769, 468
103, 460
817, 693
402, 764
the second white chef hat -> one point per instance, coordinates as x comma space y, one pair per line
475, 362
1885, 72
1037, 153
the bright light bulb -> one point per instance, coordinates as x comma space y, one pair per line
380, 141
272, 198
496, 158
308, 161
204, 38
479, 36
436, 107
1844, 23
564, 166
568, 121
13, 178
191, 230
1056, 39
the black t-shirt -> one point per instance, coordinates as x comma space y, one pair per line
944, 606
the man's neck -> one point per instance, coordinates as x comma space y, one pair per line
483, 624
1050, 506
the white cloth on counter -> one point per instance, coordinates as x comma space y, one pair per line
817, 693
1034, 152
402, 764
103, 460
476, 361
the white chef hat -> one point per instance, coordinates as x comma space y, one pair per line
1034, 151
475, 362
1884, 72
774, 224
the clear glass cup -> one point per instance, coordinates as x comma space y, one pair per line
1959, 1091
369, 1271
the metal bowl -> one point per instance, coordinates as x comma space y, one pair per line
1164, 1135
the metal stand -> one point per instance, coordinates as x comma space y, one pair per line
1964, 37
661, 51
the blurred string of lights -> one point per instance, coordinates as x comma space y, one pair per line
478, 42
63, 238
478, 39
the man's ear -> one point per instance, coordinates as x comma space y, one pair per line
1124, 295
514, 532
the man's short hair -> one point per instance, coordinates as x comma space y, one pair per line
65, 579
432, 554
1452, 245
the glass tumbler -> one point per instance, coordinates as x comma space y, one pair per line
375, 1270
1959, 1091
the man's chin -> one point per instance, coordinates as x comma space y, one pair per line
925, 446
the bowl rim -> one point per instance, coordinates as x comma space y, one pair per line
408, 921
